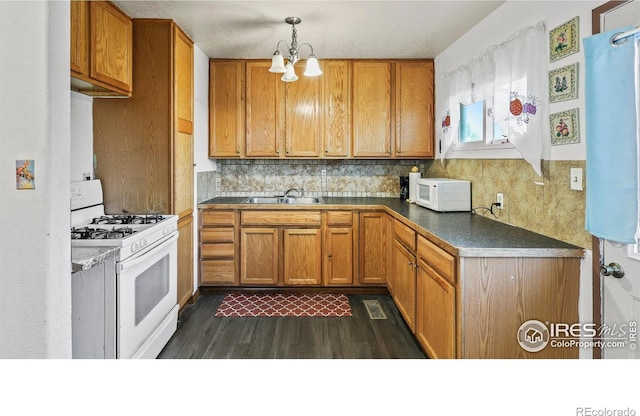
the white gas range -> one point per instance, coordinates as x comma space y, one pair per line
146, 273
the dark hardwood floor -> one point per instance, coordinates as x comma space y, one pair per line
202, 335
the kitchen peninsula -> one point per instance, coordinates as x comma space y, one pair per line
463, 283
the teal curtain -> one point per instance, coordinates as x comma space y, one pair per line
611, 137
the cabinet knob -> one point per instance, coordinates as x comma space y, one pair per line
328, 255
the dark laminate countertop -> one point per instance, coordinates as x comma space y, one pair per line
461, 233
83, 258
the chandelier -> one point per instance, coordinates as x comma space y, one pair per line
277, 61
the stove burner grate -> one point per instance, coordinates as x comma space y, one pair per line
128, 219
89, 233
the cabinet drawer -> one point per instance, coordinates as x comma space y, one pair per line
217, 250
441, 261
275, 218
339, 218
212, 217
217, 272
405, 234
217, 235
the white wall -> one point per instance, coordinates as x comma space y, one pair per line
508, 19
200, 137
81, 136
35, 251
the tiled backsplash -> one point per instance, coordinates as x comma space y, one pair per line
367, 178
546, 205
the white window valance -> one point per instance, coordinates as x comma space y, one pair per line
514, 76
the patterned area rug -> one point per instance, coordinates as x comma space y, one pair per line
284, 305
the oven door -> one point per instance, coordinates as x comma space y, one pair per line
147, 296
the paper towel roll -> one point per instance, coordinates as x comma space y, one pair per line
413, 179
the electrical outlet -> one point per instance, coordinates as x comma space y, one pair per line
576, 179
500, 200
323, 173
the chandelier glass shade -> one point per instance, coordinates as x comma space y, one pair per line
277, 60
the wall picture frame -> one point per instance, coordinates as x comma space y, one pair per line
565, 127
563, 83
564, 40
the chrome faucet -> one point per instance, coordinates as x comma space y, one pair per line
286, 194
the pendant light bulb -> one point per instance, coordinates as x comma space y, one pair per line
290, 74
277, 63
312, 69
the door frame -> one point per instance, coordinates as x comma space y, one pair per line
597, 259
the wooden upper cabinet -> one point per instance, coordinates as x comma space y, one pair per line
110, 54
79, 37
414, 109
263, 111
372, 109
337, 108
183, 73
101, 49
303, 117
226, 108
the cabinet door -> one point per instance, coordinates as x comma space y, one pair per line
302, 254
226, 108
185, 260
183, 85
183, 175
259, 248
337, 106
374, 247
414, 109
404, 282
264, 129
338, 257
111, 51
436, 313
303, 117
372, 116
80, 37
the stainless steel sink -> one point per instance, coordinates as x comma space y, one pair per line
303, 200
284, 200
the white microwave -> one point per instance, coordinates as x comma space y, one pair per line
440, 194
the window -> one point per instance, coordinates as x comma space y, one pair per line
478, 129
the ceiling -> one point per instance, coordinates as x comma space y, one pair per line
335, 29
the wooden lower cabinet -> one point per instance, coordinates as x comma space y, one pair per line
218, 240
302, 256
374, 247
259, 256
339, 248
185, 260
473, 307
338, 258
403, 275
435, 326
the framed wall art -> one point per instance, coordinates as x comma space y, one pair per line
565, 127
564, 40
563, 83
25, 174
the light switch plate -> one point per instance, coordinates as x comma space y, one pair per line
576, 179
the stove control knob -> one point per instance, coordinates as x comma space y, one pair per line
135, 247
144, 243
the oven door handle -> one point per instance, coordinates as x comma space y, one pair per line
140, 256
